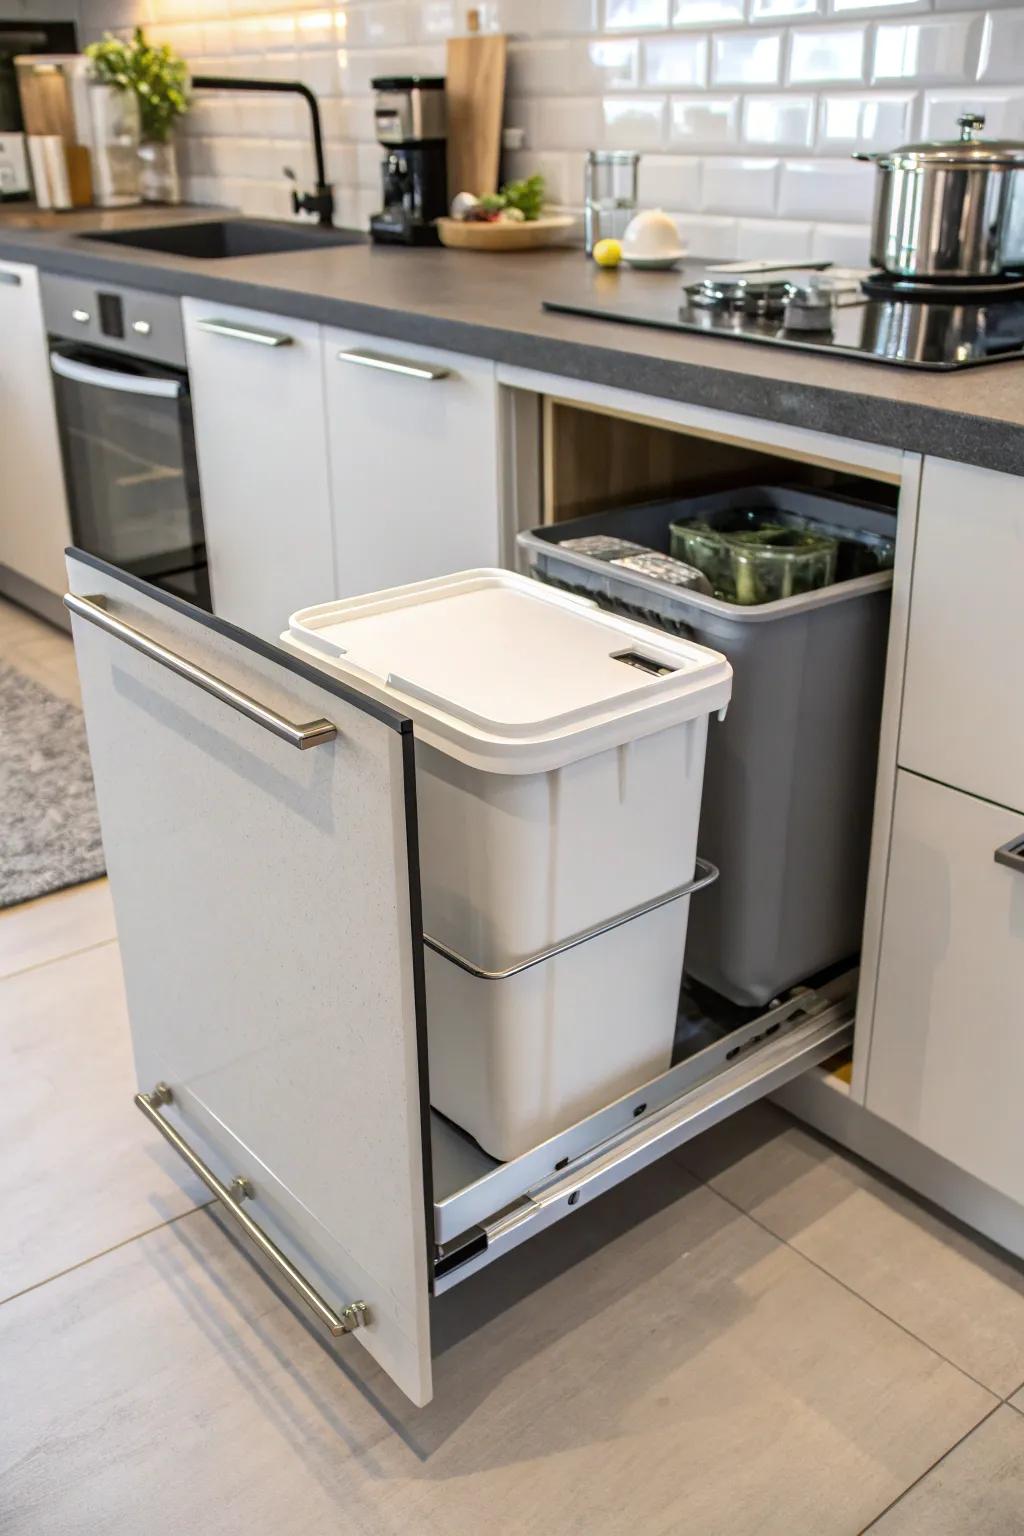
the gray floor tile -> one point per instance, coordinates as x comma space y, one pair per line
957, 1294
80, 1169
977, 1490
55, 926
660, 1364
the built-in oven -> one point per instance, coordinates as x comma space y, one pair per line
124, 413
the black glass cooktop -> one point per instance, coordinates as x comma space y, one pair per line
956, 330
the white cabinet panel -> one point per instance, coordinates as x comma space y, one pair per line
947, 1048
962, 720
264, 906
34, 527
262, 452
414, 461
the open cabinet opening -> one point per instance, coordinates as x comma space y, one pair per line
770, 970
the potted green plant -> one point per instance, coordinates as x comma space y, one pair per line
158, 80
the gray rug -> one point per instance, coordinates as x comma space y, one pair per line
49, 824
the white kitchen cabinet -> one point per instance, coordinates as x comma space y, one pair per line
947, 1048
258, 401
34, 526
962, 723
259, 814
413, 443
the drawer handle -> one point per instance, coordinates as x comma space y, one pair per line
356, 1315
706, 874
245, 333
12, 279
310, 734
1012, 854
428, 371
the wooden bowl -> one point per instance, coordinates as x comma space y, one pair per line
468, 235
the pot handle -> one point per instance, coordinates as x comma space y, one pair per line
861, 154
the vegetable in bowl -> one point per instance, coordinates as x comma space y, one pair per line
516, 202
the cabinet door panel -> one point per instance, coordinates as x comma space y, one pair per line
262, 453
962, 722
34, 529
268, 923
947, 1048
414, 461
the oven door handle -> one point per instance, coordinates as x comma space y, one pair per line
109, 378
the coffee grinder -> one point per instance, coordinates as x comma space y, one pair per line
409, 113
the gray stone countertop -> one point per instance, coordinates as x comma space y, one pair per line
489, 305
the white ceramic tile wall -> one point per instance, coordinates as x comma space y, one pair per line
745, 110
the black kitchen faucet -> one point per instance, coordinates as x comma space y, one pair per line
321, 201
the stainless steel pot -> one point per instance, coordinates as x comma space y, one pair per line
950, 209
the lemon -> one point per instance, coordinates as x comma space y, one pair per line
607, 253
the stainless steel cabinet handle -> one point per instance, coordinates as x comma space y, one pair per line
1012, 854
706, 874
428, 371
109, 378
245, 333
353, 1316
12, 279
310, 734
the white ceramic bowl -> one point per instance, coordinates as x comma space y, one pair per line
651, 236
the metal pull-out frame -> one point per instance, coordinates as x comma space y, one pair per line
511, 1202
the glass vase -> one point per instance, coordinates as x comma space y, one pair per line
159, 181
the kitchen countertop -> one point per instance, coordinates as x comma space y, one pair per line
490, 306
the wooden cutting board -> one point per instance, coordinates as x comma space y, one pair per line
475, 92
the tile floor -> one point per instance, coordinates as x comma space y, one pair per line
757, 1336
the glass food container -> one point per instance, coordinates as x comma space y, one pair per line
750, 556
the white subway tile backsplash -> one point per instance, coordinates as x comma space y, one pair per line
570, 122
1003, 112
738, 185
630, 14
746, 58
825, 189
826, 54
774, 10
671, 182
1002, 48
675, 61
704, 122
634, 122
707, 236
730, 101
929, 51
848, 245
858, 121
706, 13
572, 66
787, 122
775, 239
877, 7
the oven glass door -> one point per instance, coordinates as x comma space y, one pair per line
130, 466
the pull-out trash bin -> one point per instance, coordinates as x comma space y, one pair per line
559, 764
789, 788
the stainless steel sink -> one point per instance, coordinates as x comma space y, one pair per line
220, 239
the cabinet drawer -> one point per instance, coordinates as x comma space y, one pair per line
947, 1051
961, 722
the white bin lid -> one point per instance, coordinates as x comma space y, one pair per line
508, 675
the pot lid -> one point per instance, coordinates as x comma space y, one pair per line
511, 676
967, 150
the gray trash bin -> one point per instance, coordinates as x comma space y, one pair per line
790, 776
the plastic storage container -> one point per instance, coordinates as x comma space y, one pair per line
750, 556
559, 762
789, 786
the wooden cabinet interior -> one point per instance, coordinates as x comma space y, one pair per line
594, 460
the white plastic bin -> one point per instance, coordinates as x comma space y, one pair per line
560, 759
